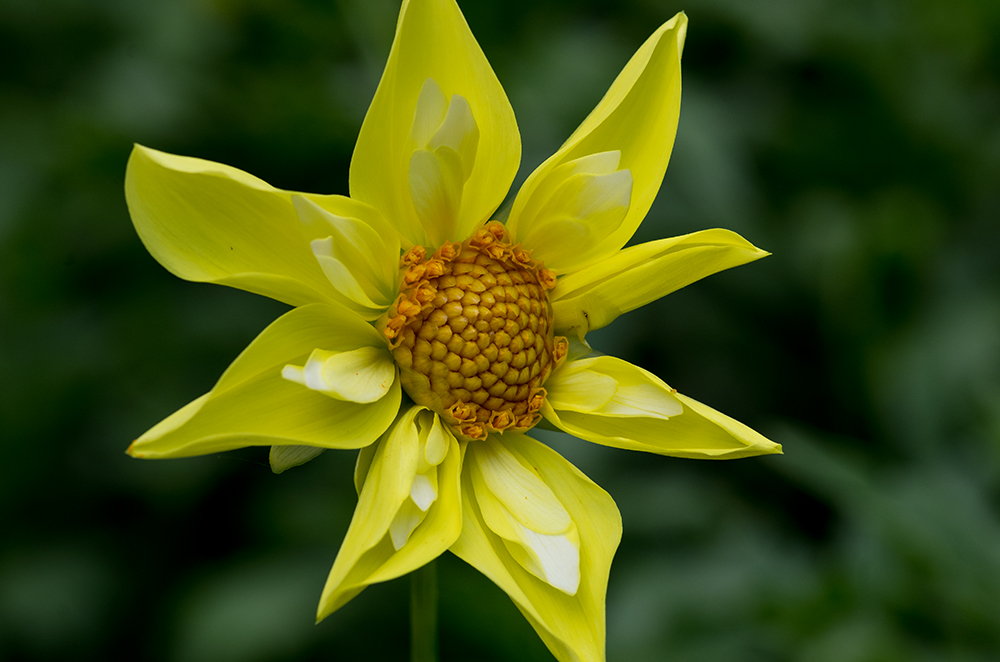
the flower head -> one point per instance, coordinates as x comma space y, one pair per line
409, 286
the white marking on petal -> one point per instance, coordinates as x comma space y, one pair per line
519, 507
293, 373
423, 492
406, 520
553, 558
518, 490
424, 486
313, 373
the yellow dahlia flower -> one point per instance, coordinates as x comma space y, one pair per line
408, 287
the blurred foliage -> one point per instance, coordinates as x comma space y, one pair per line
859, 142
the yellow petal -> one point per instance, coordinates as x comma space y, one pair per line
520, 508
347, 281
636, 118
433, 42
644, 414
437, 444
252, 405
408, 517
436, 186
572, 626
552, 557
423, 492
516, 488
428, 116
572, 225
208, 222
594, 297
609, 387
364, 374
368, 555
579, 389
459, 133
359, 253
574, 210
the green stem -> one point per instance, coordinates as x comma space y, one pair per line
423, 614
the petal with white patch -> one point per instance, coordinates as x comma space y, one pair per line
358, 254
364, 374
403, 519
517, 506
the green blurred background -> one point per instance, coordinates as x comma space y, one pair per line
858, 141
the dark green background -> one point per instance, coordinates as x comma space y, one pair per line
858, 141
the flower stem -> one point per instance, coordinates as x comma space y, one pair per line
423, 614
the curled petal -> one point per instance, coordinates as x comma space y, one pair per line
356, 249
408, 512
637, 119
441, 165
520, 508
574, 210
516, 489
612, 402
607, 386
458, 132
558, 581
365, 374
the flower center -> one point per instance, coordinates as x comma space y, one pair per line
471, 331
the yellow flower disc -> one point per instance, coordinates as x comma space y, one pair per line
472, 333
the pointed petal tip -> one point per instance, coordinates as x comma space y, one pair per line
151, 153
325, 607
755, 254
681, 22
765, 447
